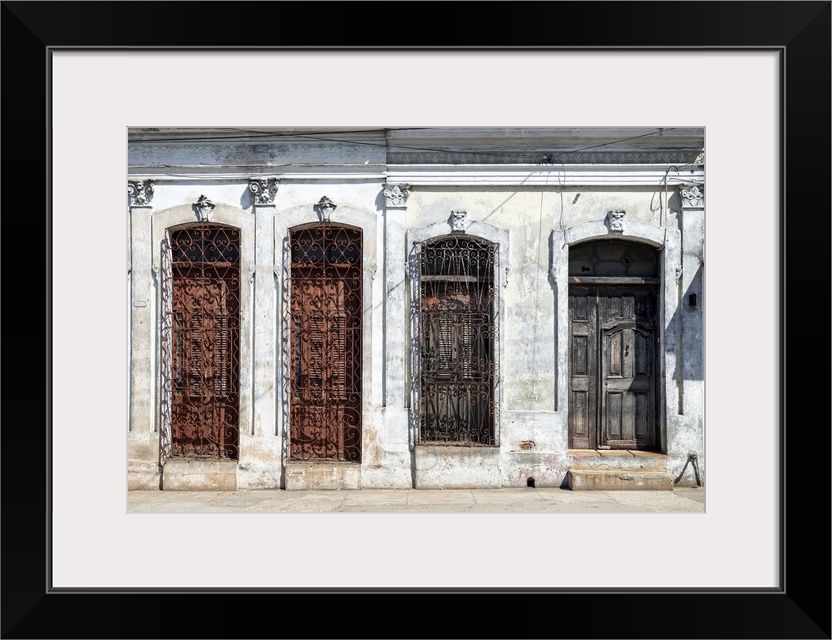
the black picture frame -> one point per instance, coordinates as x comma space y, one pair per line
799, 31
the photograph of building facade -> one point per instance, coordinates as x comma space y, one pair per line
415, 308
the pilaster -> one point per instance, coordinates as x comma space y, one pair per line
143, 450
260, 451
691, 301
395, 255
559, 281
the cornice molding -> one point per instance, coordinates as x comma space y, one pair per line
552, 176
300, 173
687, 156
509, 175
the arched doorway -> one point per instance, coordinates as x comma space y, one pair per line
201, 341
613, 348
326, 329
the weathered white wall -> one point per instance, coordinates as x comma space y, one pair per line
543, 223
531, 215
543, 212
686, 424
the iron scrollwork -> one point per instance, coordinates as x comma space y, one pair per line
325, 343
200, 342
457, 341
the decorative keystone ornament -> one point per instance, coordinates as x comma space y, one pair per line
324, 208
203, 208
263, 189
458, 221
615, 220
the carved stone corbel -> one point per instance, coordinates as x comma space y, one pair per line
263, 189
396, 195
693, 196
140, 192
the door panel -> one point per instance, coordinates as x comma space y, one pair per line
613, 372
583, 355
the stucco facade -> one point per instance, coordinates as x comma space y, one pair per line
527, 199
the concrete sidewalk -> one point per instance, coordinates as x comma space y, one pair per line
509, 500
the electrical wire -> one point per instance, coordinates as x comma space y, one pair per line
664, 209
548, 158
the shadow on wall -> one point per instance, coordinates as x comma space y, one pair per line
246, 199
692, 334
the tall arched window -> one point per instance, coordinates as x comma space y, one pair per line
201, 341
326, 326
457, 332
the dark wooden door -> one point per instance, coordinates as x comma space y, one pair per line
613, 367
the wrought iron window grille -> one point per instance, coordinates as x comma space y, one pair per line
200, 342
325, 343
457, 324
